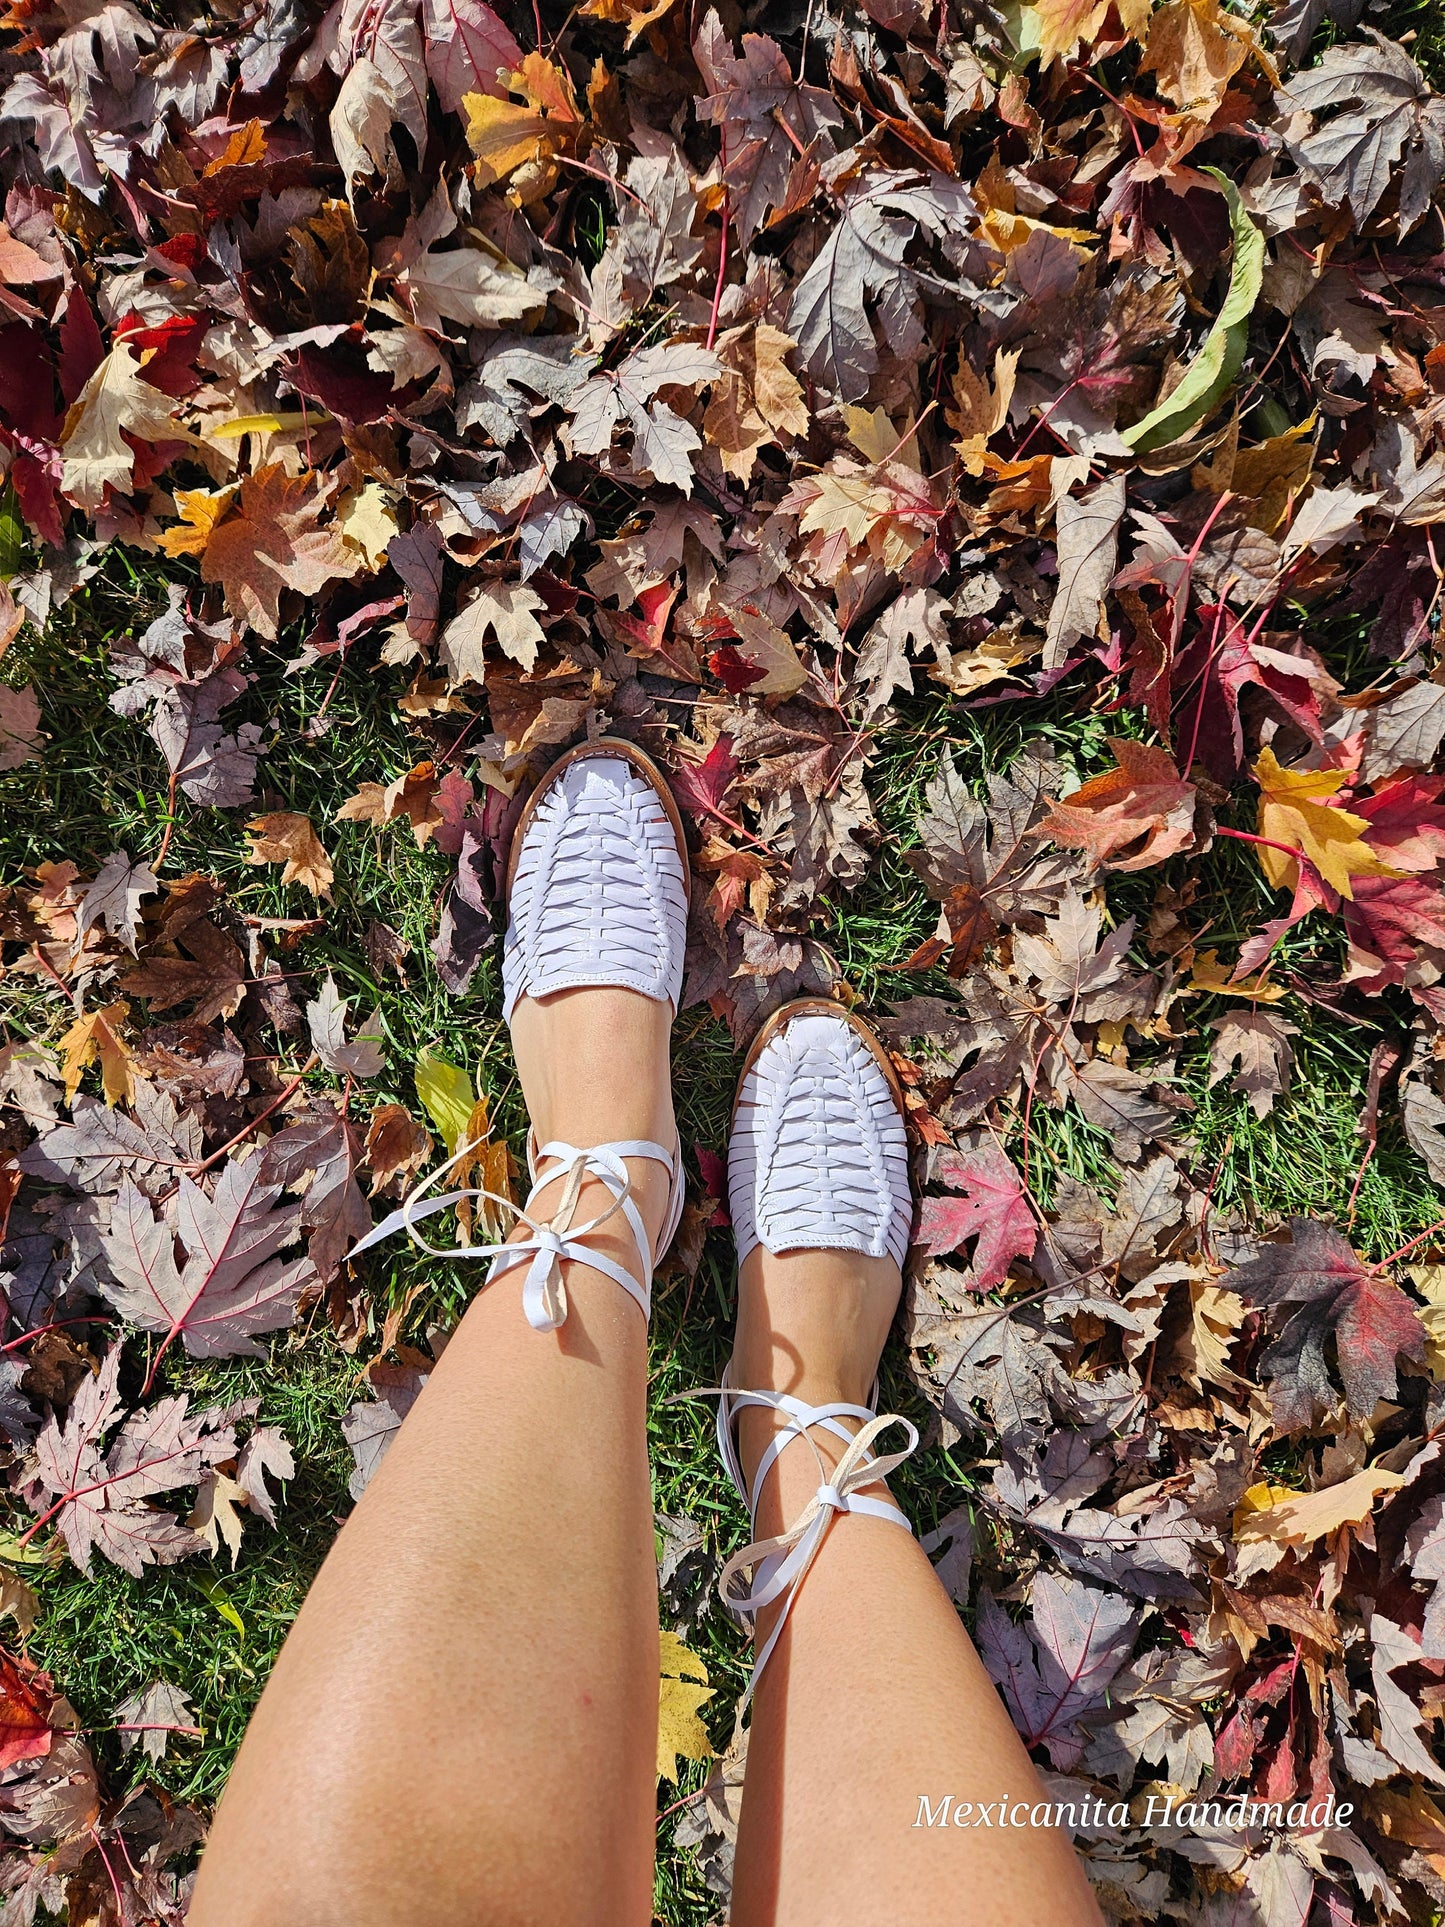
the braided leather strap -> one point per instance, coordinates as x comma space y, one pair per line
818, 1158
600, 894
558, 1238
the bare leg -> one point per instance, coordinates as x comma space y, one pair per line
874, 1694
462, 1724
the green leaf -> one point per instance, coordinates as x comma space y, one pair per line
216, 1593
12, 534
1218, 361
446, 1091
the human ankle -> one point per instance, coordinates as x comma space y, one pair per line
594, 1065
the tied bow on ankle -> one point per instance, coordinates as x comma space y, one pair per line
781, 1564
552, 1240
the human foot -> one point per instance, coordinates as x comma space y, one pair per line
591, 971
818, 1185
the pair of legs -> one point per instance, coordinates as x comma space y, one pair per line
461, 1727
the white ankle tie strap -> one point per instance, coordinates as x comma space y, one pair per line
544, 1294
780, 1565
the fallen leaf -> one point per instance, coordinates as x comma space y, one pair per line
679, 1730
1131, 817
1294, 810
286, 837
96, 1038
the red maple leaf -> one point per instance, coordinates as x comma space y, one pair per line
734, 672
701, 787
1407, 825
25, 1704
1371, 1318
991, 1206
1387, 921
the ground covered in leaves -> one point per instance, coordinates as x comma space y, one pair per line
991, 456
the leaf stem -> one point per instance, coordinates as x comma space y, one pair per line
195, 1170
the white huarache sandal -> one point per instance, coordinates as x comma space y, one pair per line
818, 1160
597, 894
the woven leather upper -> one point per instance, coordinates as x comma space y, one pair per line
600, 893
818, 1157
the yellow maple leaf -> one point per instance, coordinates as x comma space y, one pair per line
679, 1730
632, 14
757, 398
96, 1036
367, 521
521, 140
1430, 1281
200, 509
1293, 809
1211, 975
1297, 1518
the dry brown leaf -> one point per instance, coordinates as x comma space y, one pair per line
286, 837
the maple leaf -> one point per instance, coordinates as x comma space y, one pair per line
679, 1730
1255, 1045
1060, 1667
756, 399
467, 49
916, 616
231, 1287
1389, 921
1132, 816
1353, 157
96, 1037
1294, 809
662, 440
114, 899
1370, 1317
412, 795
372, 1423
768, 122
702, 788
396, 1146
1087, 529
503, 610
1195, 47
466, 284
149, 1718
21, 737
521, 141
320, 1157
270, 540
990, 1204
982, 861
26, 1701
286, 837
99, 1497
115, 402
865, 253
326, 1020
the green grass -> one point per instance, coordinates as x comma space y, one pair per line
103, 786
